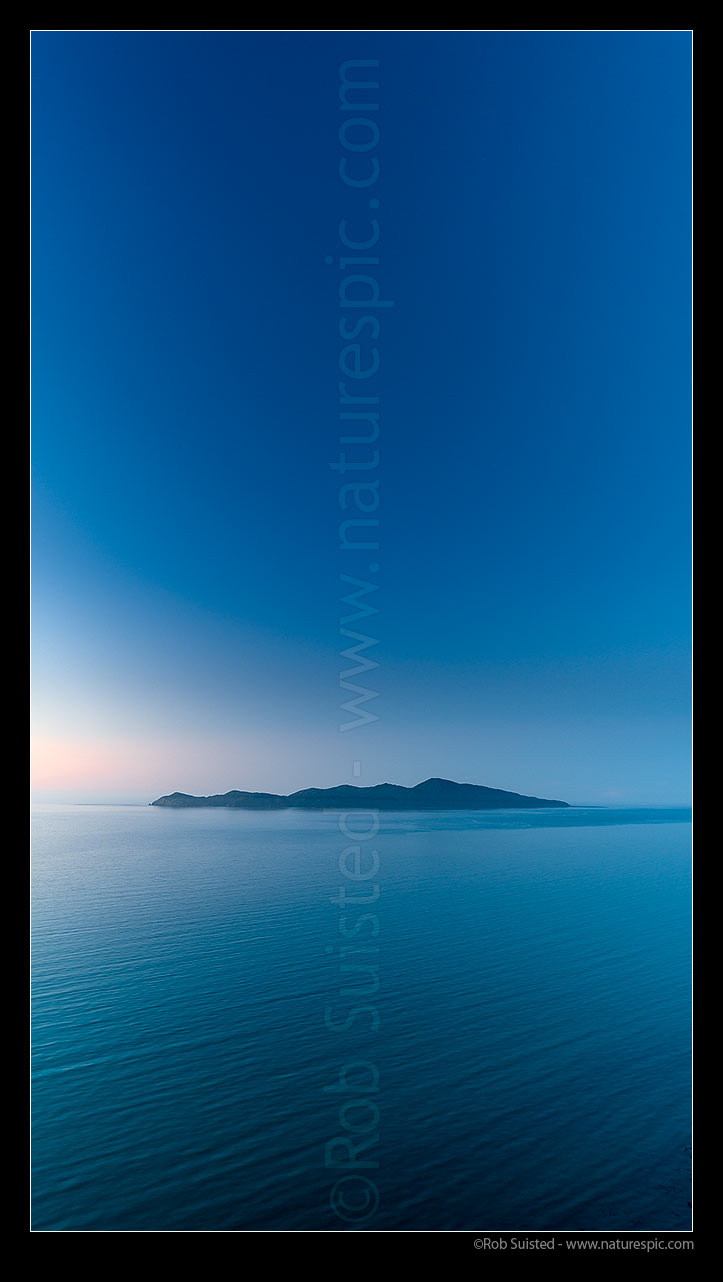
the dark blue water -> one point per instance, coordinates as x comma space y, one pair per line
525, 1055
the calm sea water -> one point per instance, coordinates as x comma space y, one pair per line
523, 1063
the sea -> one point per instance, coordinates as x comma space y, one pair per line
324, 1022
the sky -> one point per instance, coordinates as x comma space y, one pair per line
195, 329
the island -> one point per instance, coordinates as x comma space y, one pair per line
433, 794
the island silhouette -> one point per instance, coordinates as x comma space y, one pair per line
433, 794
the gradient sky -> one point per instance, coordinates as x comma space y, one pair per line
533, 603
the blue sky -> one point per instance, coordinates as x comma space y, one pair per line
534, 400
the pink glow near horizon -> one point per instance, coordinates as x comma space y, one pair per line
89, 764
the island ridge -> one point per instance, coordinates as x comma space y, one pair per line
433, 794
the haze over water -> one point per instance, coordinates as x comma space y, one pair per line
532, 1046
